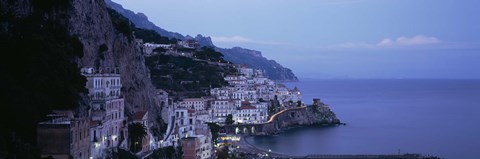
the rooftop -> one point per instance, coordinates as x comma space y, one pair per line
247, 107
139, 115
192, 99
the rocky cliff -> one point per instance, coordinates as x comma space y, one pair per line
107, 43
92, 23
236, 55
308, 116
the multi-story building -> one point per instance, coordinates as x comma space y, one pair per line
204, 135
221, 108
250, 114
197, 104
204, 115
64, 136
188, 43
190, 147
248, 72
198, 146
149, 47
184, 122
107, 110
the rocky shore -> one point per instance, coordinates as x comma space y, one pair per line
319, 114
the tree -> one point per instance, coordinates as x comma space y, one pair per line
223, 153
229, 120
209, 54
214, 129
136, 132
159, 49
261, 100
290, 103
271, 109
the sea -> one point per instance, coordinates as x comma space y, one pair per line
438, 117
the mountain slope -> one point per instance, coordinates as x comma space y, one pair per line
255, 60
235, 55
141, 21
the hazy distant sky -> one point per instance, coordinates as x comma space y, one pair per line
337, 38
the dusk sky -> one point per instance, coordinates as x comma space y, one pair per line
337, 38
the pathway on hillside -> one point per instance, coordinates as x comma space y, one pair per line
280, 112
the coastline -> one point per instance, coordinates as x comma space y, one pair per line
248, 148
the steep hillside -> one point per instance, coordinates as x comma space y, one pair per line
186, 77
255, 60
50, 40
235, 55
96, 26
141, 21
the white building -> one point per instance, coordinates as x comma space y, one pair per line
149, 47
197, 104
204, 136
248, 114
107, 112
184, 122
204, 115
221, 108
294, 95
248, 72
189, 43
200, 145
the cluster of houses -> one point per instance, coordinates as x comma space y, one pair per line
103, 128
246, 99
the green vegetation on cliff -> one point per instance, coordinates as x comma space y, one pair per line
121, 24
152, 36
183, 76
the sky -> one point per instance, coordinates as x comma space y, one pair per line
337, 38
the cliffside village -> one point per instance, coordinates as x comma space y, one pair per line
105, 127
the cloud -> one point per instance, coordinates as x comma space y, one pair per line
240, 40
388, 43
405, 41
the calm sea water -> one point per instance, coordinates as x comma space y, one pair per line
432, 117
